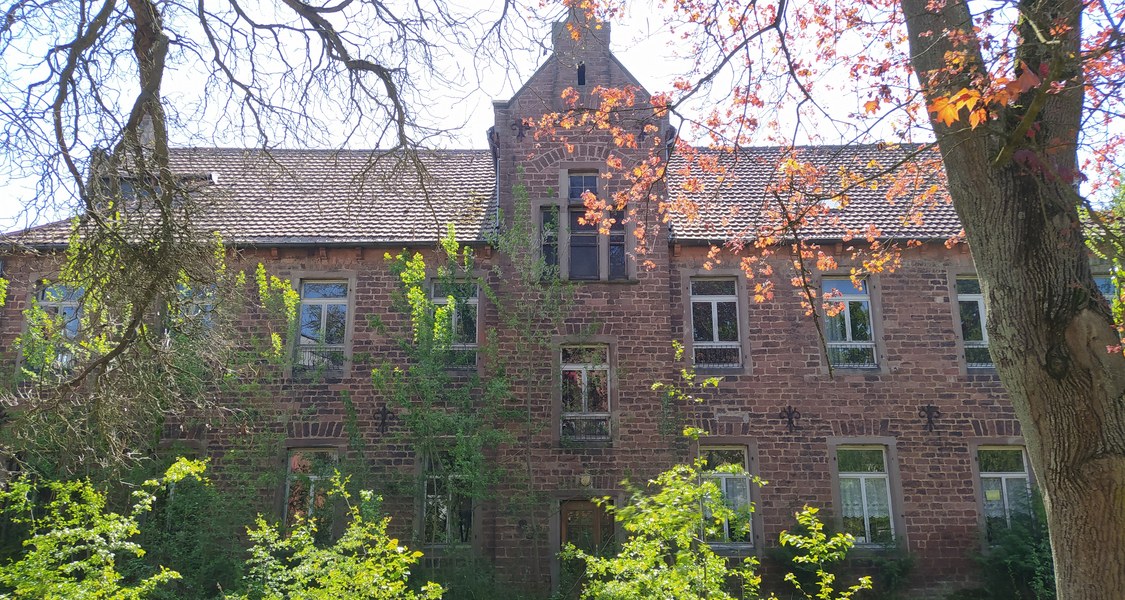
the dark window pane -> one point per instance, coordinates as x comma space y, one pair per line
842, 286
581, 183
968, 286
835, 328
972, 329
311, 324
577, 215
852, 356
466, 332
324, 289
728, 321
1001, 460
593, 355
1106, 287
597, 390
978, 357
717, 457
583, 258
860, 314
703, 329
713, 287
549, 235
860, 460
336, 323
617, 259
572, 391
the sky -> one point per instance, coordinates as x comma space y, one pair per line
467, 112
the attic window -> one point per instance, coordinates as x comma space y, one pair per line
581, 73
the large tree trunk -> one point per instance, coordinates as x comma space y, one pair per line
1048, 326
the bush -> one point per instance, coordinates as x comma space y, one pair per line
1018, 563
363, 564
74, 544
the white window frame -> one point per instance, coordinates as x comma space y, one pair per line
846, 299
723, 480
323, 303
863, 477
714, 300
71, 297
433, 469
1003, 477
981, 343
587, 415
472, 301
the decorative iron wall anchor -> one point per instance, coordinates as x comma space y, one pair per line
521, 128
791, 415
929, 412
384, 414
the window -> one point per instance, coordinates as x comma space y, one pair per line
1005, 485
714, 323
587, 251
726, 466
585, 393
865, 494
447, 511
974, 322
323, 326
847, 323
191, 310
62, 305
306, 484
461, 318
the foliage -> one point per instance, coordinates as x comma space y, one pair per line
197, 530
819, 551
673, 395
452, 414
665, 555
363, 563
75, 545
1017, 564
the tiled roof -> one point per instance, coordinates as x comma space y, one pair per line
735, 199
324, 197
320, 197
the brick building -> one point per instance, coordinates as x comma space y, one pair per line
910, 442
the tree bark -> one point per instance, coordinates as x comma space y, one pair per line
1048, 326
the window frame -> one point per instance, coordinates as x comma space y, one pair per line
966, 344
561, 415
749, 461
312, 448
561, 240
296, 370
51, 308
845, 298
894, 486
473, 301
1001, 443
738, 344
425, 476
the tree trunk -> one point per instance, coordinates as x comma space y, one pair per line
1048, 326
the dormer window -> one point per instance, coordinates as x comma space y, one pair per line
578, 249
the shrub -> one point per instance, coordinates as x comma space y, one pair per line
74, 544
